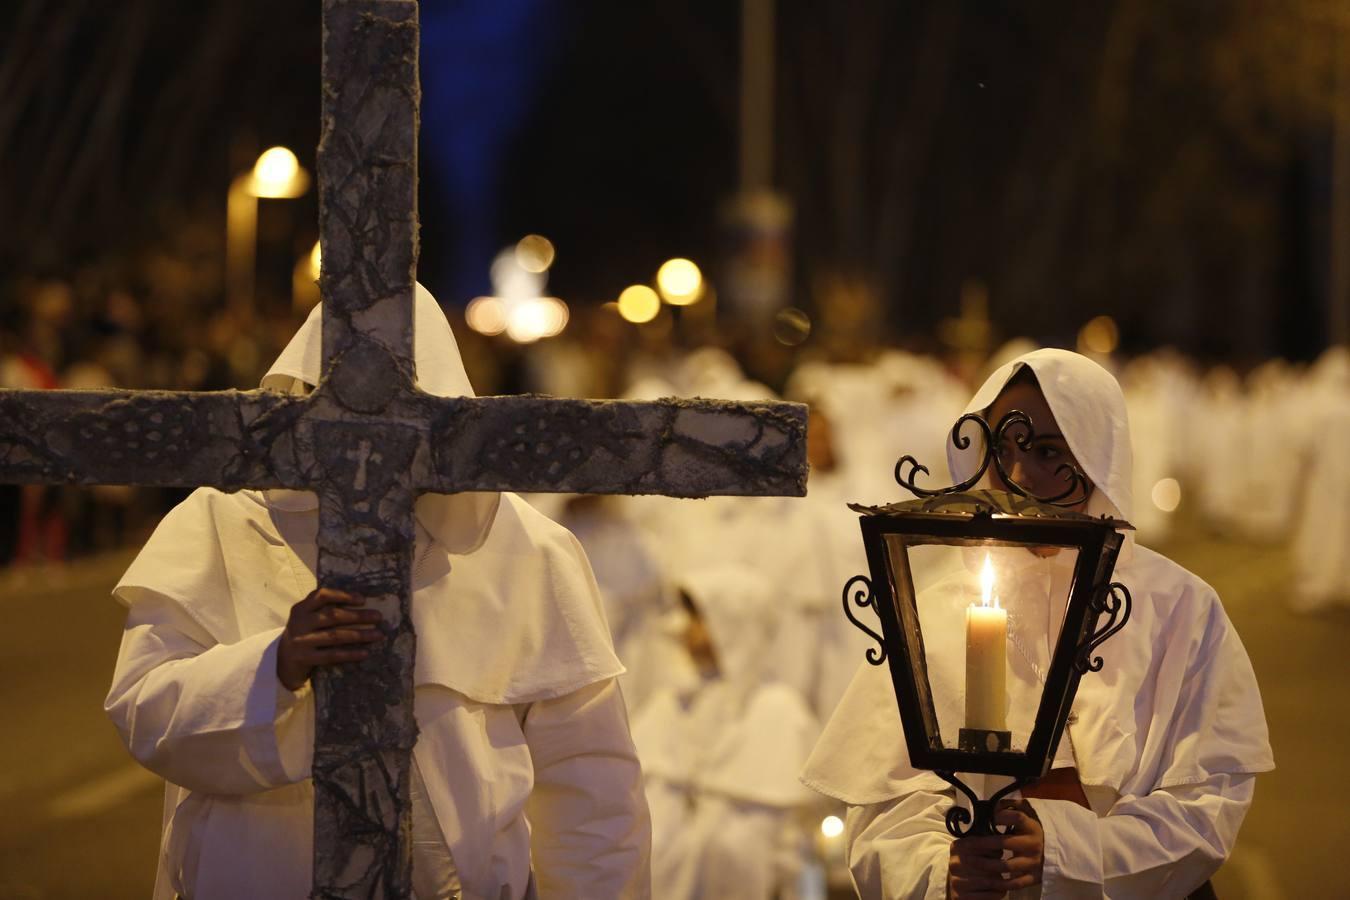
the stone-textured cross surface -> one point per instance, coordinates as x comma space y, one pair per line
368, 441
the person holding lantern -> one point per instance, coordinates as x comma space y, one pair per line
1156, 767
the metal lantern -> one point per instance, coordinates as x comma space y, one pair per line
991, 606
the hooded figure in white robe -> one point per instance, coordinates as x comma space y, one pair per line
1322, 533
721, 749
1217, 435
1166, 739
525, 778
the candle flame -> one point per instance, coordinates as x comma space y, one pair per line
987, 598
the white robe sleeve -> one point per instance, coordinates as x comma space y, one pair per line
208, 717
590, 828
898, 850
1164, 844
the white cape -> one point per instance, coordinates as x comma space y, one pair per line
1175, 702
517, 620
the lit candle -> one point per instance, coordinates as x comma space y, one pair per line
986, 658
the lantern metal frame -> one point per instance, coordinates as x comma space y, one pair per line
963, 517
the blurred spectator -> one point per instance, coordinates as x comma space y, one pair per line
32, 511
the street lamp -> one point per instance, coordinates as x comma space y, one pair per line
276, 175
680, 282
991, 605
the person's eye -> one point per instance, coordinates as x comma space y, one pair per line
1048, 452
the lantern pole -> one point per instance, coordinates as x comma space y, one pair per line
959, 822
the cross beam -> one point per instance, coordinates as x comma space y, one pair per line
368, 468
368, 442
261, 439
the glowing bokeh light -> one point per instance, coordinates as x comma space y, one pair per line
556, 315
512, 282
1166, 495
526, 322
1099, 336
486, 315
539, 317
639, 303
791, 326
277, 174
680, 282
534, 253
315, 261
831, 826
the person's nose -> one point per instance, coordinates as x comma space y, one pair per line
1019, 474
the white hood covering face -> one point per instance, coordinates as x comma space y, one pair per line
733, 601
1176, 701
1090, 409
504, 603
459, 521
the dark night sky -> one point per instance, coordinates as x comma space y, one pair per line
590, 129
582, 122
922, 145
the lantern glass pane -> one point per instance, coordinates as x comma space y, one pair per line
988, 615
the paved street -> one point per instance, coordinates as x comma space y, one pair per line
1296, 830
82, 821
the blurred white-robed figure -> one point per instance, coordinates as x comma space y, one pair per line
720, 749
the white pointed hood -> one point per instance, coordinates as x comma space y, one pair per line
459, 521
504, 603
733, 600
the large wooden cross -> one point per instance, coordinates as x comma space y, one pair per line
368, 441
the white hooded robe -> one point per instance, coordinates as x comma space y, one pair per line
1166, 738
524, 770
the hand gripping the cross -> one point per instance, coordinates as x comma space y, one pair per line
324, 629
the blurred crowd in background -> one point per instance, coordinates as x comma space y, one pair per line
726, 610
885, 195
1259, 456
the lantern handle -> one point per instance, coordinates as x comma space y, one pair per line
960, 442
875, 655
1116, 602
1077, 482
958, 818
